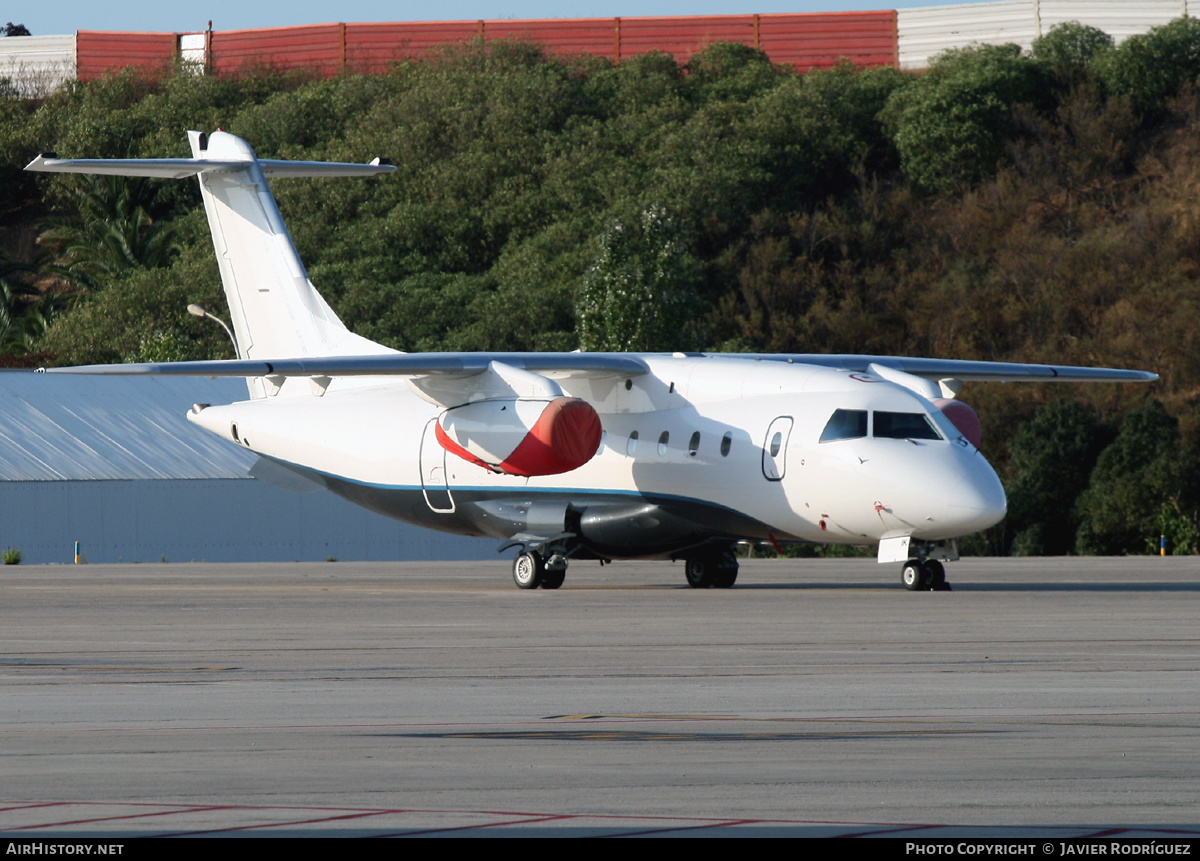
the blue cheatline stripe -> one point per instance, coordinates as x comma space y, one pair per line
573, 491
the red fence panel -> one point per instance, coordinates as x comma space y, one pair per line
562, 36
682, 37
819, 41
804, 40
319, 47
98, 52
377, 47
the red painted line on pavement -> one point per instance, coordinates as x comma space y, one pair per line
121, 818
894, 829
680, 828
361, 815
479, 825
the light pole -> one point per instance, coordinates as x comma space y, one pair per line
197, 311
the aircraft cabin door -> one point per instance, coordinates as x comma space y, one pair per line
434, 480
774, 454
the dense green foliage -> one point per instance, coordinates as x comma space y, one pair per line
1003, 206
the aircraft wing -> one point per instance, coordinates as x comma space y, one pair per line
960, 369
600, 364
447, 379
386, 364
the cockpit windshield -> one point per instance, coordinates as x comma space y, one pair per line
845, 424
904, 426
852, 424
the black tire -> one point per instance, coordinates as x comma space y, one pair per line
726, 570
915, 576
553, 579
937, 574
700, 571
529, 569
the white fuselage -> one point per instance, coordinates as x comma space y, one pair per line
737, 438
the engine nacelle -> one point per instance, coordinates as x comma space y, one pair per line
522, 436
962, 417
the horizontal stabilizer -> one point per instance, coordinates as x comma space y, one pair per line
180, 168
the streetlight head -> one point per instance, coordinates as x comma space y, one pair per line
197, 311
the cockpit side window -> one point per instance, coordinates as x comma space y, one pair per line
845, 424
904, 426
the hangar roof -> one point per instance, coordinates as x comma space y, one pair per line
62, 428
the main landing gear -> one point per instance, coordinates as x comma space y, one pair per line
531, 570
924, 576
715, 568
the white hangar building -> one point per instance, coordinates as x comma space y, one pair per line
113, 463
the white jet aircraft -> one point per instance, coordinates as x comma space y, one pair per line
580, 455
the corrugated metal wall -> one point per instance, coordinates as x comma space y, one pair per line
820, 41
377, 47
599, 36
908, 37
1118, 18
925, 32
37, 65
98, 52
682, 37
319, 48
114, 463
214, 520
806, 41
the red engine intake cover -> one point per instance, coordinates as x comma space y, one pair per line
566, 436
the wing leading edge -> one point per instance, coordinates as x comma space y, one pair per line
385, 365
960, 369
601, 364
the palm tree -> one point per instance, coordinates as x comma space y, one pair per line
113, 232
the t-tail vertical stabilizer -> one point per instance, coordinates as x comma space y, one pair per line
276, 311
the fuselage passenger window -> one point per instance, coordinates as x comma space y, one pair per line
631, 446
726, 442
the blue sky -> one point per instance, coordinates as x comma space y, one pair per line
67, 16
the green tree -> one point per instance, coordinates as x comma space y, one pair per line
950, 124
1133, 478
729, 71
24, 320
636, 294
1151, 67
120, 322
111, 232
1051, 460
1070, 48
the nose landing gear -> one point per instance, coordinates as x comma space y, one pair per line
922, 560
924, 575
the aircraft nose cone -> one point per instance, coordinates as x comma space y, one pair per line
977, 501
